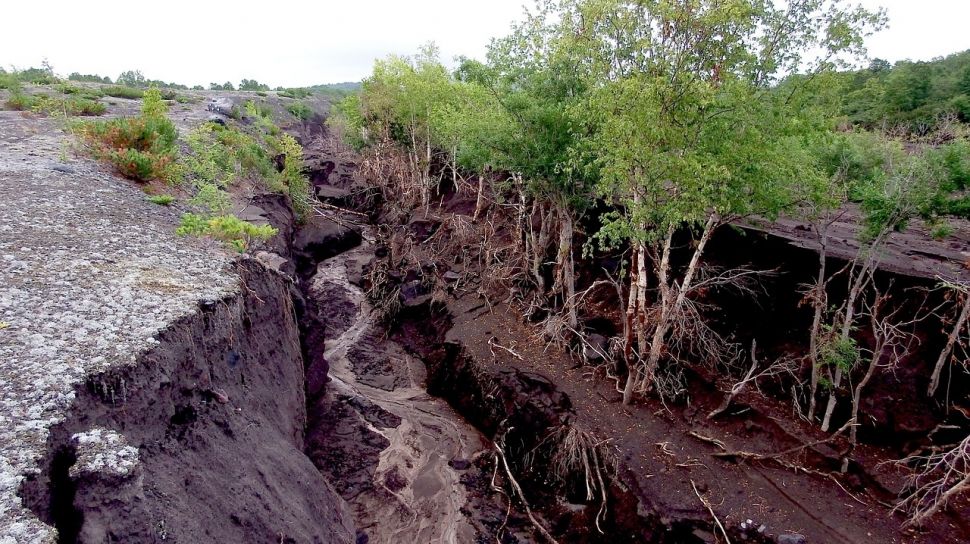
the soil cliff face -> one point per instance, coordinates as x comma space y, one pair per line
201, 440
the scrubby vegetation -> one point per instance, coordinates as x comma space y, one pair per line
53, 105
141, 148
294, 93
119, 91
300, 110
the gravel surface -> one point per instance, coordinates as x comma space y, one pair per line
89, 273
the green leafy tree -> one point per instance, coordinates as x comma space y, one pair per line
132, 78
691, 129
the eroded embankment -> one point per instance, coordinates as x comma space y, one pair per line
201, 440
530, 418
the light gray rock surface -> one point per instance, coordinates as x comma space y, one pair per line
89, 273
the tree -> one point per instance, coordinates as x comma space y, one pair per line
252, 85
691, 128
132, 78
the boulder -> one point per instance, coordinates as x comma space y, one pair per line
221, 105
320, 239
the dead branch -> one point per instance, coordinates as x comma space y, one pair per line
707, 504
781, 366
936, 479
518, 490
952, 337
493, 343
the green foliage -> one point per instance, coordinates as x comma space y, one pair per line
162, 200
237, 233
38, 76
90, 78
10, 82
300, 110
295, 93
141, 148
123, 92
221, 155
227, 86
52, 105
252, 85
291, 179
839, 352
132, 78
262, 115
913, 95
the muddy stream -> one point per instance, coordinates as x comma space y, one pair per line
405, 454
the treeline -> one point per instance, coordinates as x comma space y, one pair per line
136, 79
912, 95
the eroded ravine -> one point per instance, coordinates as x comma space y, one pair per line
407, 489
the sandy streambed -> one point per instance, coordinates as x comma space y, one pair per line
398, 452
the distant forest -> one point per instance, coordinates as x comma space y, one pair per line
908, 94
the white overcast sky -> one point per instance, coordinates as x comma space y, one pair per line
294, 43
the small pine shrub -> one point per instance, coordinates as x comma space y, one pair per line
119, 91
237, 233
140, 148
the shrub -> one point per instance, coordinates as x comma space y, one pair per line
10, 82
295, 93
141, 148
228, 228
119, 91
300, 110
291, 179
20, 102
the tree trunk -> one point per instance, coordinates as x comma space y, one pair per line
481, 196
820, 302
566, 280
950, 341
633, 321
669, 310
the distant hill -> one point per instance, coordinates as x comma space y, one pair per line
337, 90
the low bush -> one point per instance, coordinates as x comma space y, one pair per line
237, 233
295, 93
20, 102
300, 110
48, 105
119, 91
140, 148
10, 82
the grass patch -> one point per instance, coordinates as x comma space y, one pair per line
140, 148
235, 232
120, 91
162, 200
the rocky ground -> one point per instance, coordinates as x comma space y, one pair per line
113, 337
